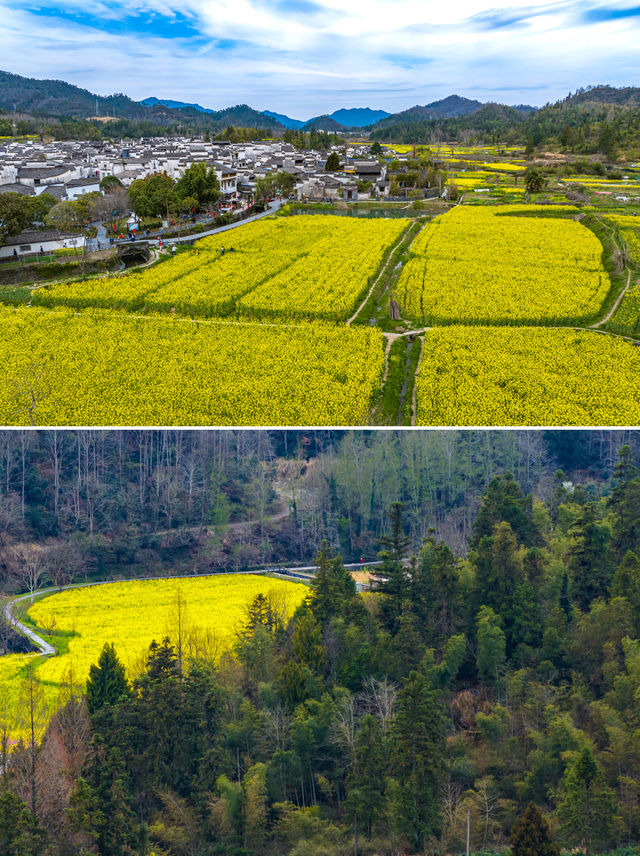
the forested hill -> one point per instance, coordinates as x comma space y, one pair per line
498, 690
597, 119
112, 503
59, 99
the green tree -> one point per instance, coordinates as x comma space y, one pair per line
534, 179
333, 162
366, 780
589, 560
390, 578
264, 189
152, 196
607, 142
491, 653
107, 682
417, 761
306, 643
20, 834
255, 807
626, 583
435, 588
110, 183
530, 835
334, 589
585, 803
199, 182
14, 214
505, 501
625, 503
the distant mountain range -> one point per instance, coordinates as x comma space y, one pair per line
60, 100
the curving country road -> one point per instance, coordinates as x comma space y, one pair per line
45, 649
296, 574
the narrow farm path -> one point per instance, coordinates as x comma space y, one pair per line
381, 273
414, 395
45, 649
237, 526
617, 303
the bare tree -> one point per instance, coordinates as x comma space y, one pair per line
30, 566
35, 385
65, 560
382, 696
33, 716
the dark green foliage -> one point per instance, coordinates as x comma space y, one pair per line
530, 835
20, 834
107, 682
391, 578
333, 162
534, 180
200, 183
366, 782
417, 763
153, 196
589, 560
504, 501
334, 590
586, 803
626, 583
435, 594
625, 501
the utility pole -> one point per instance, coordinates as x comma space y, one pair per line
468, 828
355, 834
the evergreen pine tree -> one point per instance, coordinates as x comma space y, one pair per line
334, 589
20, 834
417, 764
391, 578
589, 559
366, 781
107, 682
586, 803
530, 835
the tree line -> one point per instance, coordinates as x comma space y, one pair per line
84, 505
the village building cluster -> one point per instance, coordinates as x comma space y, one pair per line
69, 169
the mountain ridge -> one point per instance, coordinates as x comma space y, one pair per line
61, 100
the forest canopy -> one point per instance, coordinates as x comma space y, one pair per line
498, 682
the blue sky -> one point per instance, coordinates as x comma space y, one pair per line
306, 57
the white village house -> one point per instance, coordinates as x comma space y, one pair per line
26, 243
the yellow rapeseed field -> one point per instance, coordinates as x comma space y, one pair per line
626, 319
302, 267
473, 265
131, 615
101, 368
527, 376
629, 227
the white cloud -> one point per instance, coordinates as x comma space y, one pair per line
381, 53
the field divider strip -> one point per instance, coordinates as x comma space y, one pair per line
414, 394
382, 271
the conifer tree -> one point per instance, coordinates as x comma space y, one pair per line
585, 804
107, 682
589, 559
391, 578
530, 835
417, 765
